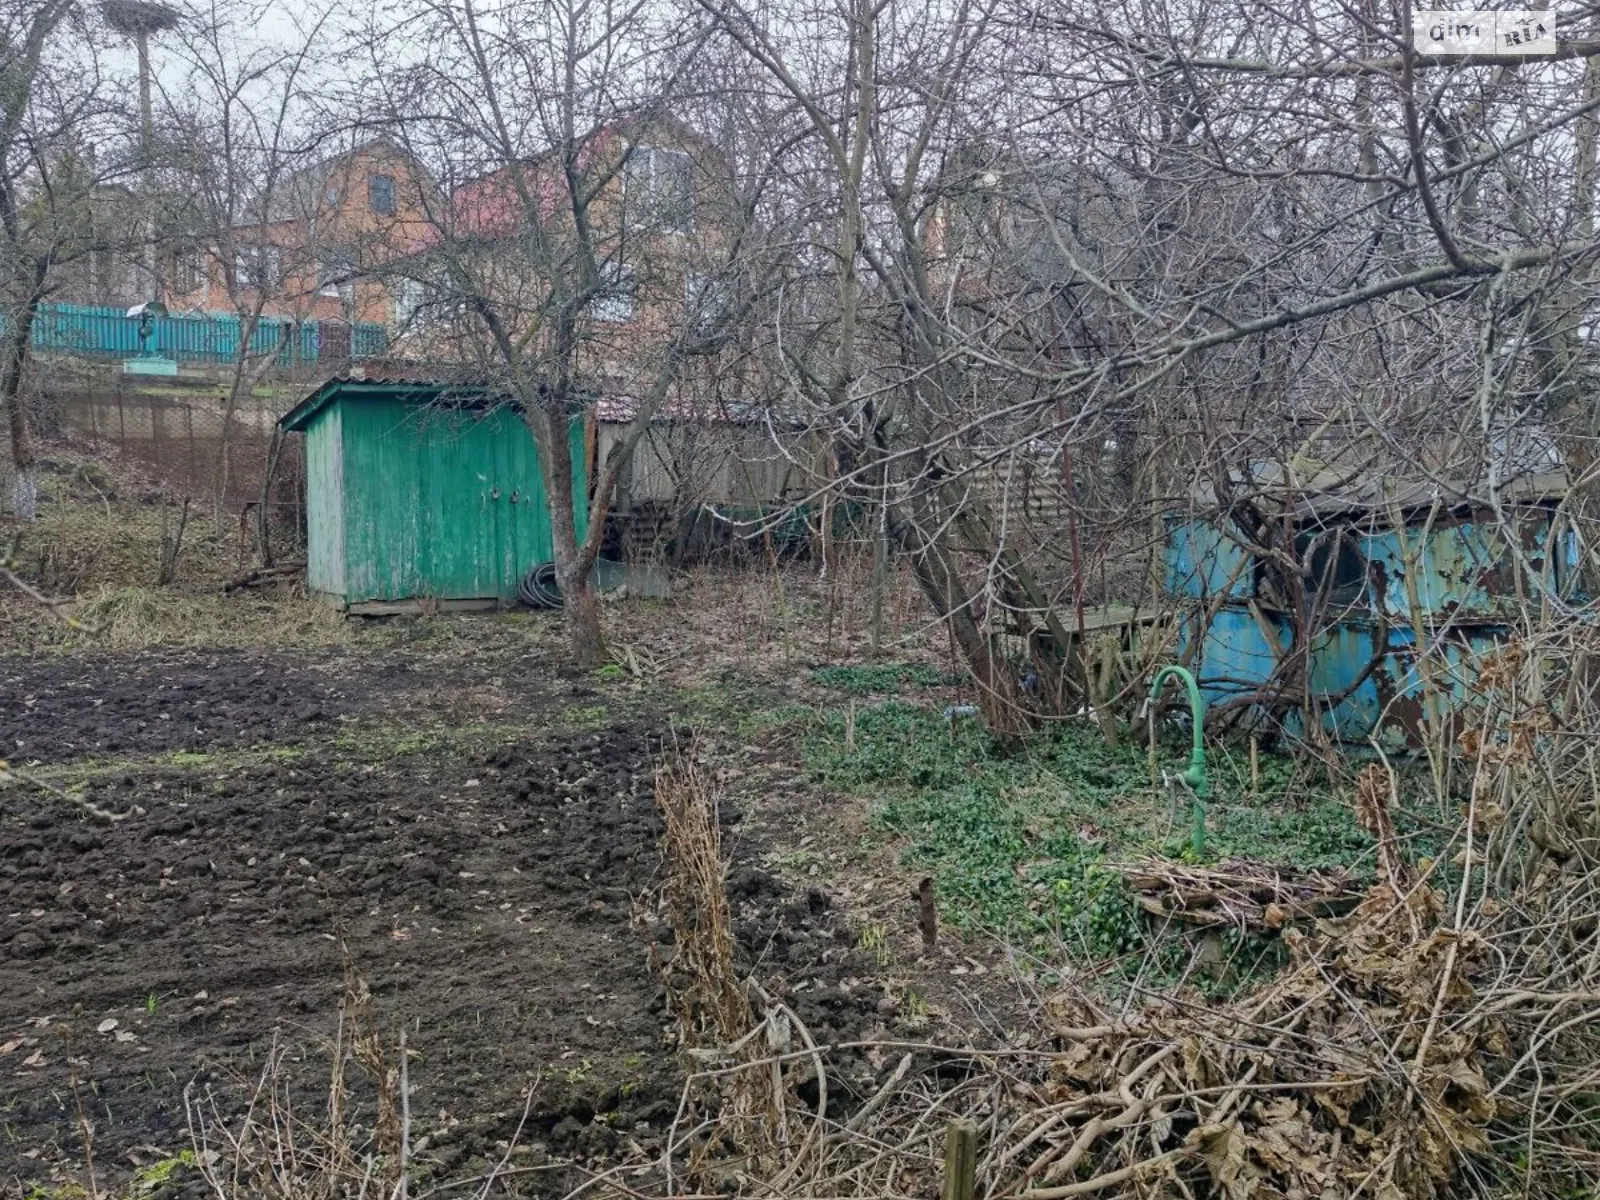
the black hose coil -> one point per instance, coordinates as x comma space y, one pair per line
539, 589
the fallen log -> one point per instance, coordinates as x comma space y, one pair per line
262, 576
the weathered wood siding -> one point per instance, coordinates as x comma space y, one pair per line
325, 518
688, 464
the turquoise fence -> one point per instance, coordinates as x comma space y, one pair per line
97, 331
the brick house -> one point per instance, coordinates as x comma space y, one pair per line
316, 243
661, 225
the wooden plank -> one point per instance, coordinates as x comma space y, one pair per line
413, 608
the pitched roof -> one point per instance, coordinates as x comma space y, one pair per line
303, 191
620, 410
419, 388
491, 206
1322, 490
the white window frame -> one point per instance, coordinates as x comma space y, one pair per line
613, 303
335, 269
258, 266
394, 194
706, 300
409, 298
188, 270
645, 170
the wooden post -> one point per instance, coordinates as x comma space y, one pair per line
960, 1160
927, 914
1255, 763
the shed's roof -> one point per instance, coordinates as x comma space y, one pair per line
411, 388
435, 384
1320, 490
618, 409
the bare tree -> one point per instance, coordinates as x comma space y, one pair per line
1090, 276
243, 141
583, 239
52, 111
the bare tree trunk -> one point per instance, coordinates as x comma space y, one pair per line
263, 507
999, 694
242, 382
25, 488
574, 561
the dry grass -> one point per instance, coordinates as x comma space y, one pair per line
704, 988
277, 1149
1405, 1056
99, 541
772, 625
134, 617
738, 1119
1441, 1040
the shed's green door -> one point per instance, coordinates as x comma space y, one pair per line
526, 539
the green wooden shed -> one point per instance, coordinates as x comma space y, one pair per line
422, 494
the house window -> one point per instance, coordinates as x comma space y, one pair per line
380, 194
658, 188
706, 301
186, 271
334, 268
614, 302
257, 267
408, 301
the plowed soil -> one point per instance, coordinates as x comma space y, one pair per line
286, 837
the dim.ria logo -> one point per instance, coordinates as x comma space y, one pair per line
1482, 31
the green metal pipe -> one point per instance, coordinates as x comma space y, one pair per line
1194, 775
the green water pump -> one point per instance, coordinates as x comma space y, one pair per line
1194, 775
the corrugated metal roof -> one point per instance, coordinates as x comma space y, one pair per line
618, 409
385, 378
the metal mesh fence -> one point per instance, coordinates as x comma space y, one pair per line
182, 432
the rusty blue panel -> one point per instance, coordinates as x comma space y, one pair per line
1467, 585
1442, 695
1203, 560
1461, 570
1235, 655
1351, 702
1392, 698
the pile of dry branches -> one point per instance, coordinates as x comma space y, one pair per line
1239, 894
1432, 1040
1398, 1057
